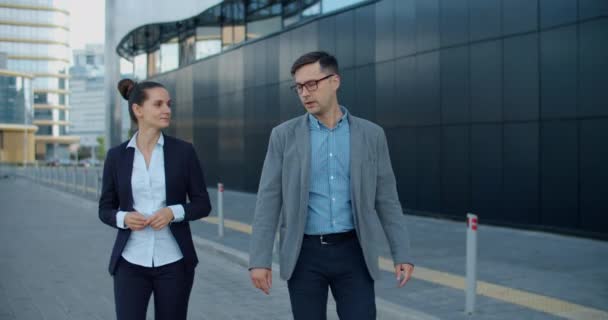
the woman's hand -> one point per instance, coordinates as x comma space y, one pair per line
160, 219
135, 221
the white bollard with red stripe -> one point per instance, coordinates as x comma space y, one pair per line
220, 209
471, 280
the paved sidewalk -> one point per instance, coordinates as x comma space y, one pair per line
54, 265
529, 271
55, 253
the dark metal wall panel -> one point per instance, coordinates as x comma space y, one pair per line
327, 34
559, 73
405, 91
455, 170
557, 12
386, 104
345, 39
231, 143
252, 98
249, 61
593, 72
285, 60
521, 87
385, 30
272, 56
487, 171
402, 146
482, 111
559, 173
594, 175
289, 103
454, 22
592, 8
521, 173
427, 103
428, 165
486, 81
405, 27
365, 92
455, 88
365, 35
484, 19
260, 65
183, 104
206, 136
427, 25
519, 16
304, 39
347, 91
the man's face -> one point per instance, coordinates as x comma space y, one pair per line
316, 101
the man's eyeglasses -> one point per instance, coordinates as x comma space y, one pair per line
311, 85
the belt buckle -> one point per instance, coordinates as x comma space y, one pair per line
323, 241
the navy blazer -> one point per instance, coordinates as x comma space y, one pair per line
184, 179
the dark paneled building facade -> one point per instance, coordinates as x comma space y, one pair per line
497, 107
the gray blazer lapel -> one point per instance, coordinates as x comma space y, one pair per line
356, 155
303, 145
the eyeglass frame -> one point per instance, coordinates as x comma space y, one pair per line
299, 88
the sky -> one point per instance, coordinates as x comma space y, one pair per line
87, 22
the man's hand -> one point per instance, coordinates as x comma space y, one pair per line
135, 221
403, 271
160, 218
261, 279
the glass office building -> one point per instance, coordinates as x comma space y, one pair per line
16, 116
496, 107
35, 36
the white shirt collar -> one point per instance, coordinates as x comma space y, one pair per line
133, 142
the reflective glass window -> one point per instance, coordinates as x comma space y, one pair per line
140, 65
332, 5
208, 41
34, 16
34, 33
45, 130
169, 55
126, 67
37, 66
311, 9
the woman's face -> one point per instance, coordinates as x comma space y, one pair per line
155, 112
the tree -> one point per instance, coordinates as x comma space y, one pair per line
101, 148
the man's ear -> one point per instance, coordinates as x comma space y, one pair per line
337, 81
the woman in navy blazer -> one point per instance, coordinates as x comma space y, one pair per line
146, 184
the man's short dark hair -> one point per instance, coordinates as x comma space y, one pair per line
326, 60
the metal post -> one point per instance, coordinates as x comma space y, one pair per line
220, 209
471, 263
98, 182
75, 185
84, 182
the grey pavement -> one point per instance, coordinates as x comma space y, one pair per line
556, 266
55, 253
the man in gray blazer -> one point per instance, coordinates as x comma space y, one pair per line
327, 182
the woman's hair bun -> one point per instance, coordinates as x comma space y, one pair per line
125, 87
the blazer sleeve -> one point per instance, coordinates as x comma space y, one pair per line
267, 207
388, 207
108, 201
199, 205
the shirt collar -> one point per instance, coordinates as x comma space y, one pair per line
318, 124
133, 142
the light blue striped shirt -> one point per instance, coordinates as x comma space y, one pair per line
329, 204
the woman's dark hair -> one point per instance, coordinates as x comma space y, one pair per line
135, 93
326, 60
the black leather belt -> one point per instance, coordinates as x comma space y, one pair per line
332, 238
